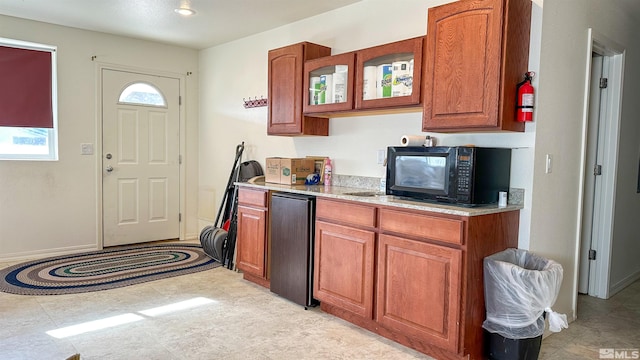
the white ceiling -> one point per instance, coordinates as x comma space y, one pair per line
215, 22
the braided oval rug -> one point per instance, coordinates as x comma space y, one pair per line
104, 269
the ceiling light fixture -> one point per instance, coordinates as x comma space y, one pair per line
184, 11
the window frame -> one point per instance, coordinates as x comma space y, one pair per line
52, 133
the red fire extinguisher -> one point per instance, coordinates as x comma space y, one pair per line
524, 107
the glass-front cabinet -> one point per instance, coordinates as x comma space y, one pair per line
388, 76
328, 83
377, 78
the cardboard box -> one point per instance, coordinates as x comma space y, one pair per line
289, 171
272, 170
295, 171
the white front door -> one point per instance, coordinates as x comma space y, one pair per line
140, 157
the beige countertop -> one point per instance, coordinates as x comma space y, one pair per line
374, 198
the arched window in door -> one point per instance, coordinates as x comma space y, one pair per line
141, 93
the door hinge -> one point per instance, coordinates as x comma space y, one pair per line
592, 254
179, 217
180, 159
603, 83
180, 97
597, 170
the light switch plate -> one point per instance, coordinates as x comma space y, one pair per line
86, 149
381, 156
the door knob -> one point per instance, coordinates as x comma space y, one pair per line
109, 168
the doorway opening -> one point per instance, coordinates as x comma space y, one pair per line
603, 97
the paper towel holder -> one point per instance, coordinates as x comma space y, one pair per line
255, 102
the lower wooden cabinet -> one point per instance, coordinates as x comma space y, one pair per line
415, 277
344, 267
412, 276
252, 240
418, 290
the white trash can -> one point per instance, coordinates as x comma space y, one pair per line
520, 288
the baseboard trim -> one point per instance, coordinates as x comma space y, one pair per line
192, 237
620, 285
38, 254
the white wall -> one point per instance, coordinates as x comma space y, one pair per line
49, 207
238, 70
555, 212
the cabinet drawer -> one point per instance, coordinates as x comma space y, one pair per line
252, 197
424, 226
346, 212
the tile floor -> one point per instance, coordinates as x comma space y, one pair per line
601, 324
245, 321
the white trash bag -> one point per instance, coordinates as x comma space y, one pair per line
519, 287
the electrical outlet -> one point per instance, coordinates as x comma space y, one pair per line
381, 156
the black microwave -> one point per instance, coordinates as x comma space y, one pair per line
463, 175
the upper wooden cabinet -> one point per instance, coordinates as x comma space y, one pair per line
330, 83
401, 63
380, 79
286, 91
475, 55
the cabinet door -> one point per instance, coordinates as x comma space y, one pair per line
344, 267
251, 240
463, 65
403, 60
475, 55
329, 81
286, 67
418, 291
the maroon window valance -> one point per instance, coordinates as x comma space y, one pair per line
25, 88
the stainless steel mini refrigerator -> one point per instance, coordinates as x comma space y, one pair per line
292, 232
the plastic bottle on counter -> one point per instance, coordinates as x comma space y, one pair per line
383, 178
429, 141
327, 172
